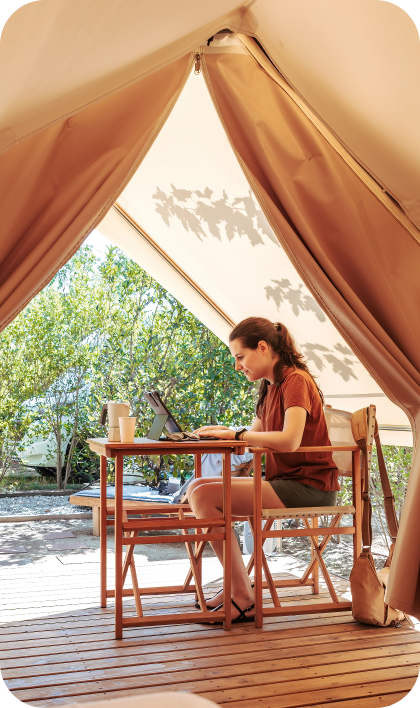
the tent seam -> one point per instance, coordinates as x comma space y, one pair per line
359, 169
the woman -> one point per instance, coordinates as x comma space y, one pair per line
289, 414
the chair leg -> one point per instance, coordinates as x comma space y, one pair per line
129, 563
315, 569
194, 566
324, 570
333, 524
267, 573
200, 546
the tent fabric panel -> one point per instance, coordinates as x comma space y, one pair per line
338, 235
61, 181
348, 232
254, 50
59, 56
358, 66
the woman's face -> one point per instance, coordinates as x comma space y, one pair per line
254, 363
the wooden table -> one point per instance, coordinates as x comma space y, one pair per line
141, 446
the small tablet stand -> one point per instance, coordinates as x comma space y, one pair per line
157, 426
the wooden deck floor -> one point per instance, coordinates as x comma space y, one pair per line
57, 647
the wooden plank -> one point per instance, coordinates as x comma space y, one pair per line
371, 702
318, 631
321, 531
297, 700
146, 540
102, 446
319, 607
306, 626
306, 512
385, 690
40, 593
254, 676
172, 522
254, 661
47, 662
101, 623
245, 686
344, 684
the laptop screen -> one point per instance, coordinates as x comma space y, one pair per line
163, 416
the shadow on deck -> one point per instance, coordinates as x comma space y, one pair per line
58, 646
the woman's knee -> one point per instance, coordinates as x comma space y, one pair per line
195, 485
205, 496
192, 486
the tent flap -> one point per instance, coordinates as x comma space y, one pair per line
62, 181
338, 235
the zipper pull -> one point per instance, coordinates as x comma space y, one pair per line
197, 68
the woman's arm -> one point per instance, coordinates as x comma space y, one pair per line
286, 440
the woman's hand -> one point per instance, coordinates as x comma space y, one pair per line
217, 431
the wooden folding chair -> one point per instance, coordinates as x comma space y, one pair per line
347, 455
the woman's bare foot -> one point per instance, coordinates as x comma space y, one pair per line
243, 602
215, 600
241, 609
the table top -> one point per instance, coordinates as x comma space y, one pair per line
144, 446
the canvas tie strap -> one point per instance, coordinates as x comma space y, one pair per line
360, 433
390, 513
359, 426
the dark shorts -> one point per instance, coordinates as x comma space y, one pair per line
295, 494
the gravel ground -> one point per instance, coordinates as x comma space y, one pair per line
338, 556
30, 506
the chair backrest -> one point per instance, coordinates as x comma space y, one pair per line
340, 430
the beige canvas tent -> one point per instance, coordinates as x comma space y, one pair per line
284, 182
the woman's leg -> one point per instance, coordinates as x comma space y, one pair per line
206, 499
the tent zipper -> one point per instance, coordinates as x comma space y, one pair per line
197, 67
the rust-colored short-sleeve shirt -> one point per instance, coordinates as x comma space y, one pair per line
314, 468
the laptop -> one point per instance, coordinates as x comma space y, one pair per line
163, 418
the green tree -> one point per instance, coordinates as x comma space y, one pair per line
15, 389
103, 329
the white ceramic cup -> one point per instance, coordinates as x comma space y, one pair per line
127, 429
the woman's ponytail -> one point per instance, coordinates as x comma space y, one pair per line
257, 329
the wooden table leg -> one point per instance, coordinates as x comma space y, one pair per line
119, 463
258, 551
103, 471
227, 546
199, 568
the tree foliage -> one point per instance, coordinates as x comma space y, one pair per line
103, 329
